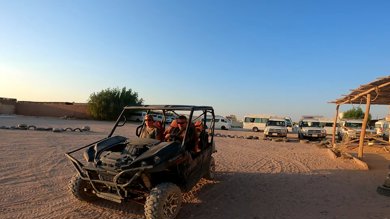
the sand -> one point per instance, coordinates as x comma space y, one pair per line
255, 179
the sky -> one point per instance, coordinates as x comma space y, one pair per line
287, 58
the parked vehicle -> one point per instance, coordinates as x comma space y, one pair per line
380, 127
327, 124
310, 128
255, 122
289, 124
119, 168
220, 122
275, 127
350, 129
137, 116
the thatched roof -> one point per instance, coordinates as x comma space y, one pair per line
379, 90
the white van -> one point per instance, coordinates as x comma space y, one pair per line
255, 122
220, 122
137, 116
380, 127
327, 124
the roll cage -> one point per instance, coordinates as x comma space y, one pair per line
165, 110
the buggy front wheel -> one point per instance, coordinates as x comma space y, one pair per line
164, 201
81, 189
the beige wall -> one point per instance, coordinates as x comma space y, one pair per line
7, 105
7, 108
54, 109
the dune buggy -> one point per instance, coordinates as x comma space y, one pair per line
152, 172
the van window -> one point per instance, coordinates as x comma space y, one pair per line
329, 124
248, 119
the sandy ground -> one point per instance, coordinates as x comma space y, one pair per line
255, 179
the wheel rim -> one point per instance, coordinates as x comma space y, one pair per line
171, 205
212, 168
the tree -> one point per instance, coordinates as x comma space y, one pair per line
108, 103
355, 113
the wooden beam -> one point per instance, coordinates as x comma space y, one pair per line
364, 125
335, 126
364, 93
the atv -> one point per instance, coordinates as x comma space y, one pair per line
153, 172
385, 188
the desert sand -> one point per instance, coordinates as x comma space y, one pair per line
254, 179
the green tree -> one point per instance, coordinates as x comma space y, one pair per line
355, 113
108, 104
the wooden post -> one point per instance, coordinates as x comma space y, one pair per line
364, 125
335, 126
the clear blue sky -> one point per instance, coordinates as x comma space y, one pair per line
242, 57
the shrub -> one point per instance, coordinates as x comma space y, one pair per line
355, 113
108, 104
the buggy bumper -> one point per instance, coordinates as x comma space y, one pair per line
114, 180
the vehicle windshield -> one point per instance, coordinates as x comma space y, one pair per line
328, 124
276, 123
353, 124
310, 124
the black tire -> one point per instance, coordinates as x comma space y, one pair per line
81, 189
163, 202
210, 174
255, 129
383, 190
33, 127
223, 128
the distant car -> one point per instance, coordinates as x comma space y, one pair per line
255, 122
275, 127
310, 128
350, 129
289, 124
380, 127
220, 122
328, 126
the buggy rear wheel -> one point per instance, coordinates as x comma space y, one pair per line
210, 174
82, 189
164, 201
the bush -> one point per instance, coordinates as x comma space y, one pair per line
355, 113
108, 103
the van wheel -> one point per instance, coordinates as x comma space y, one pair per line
223, 128
255, 129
